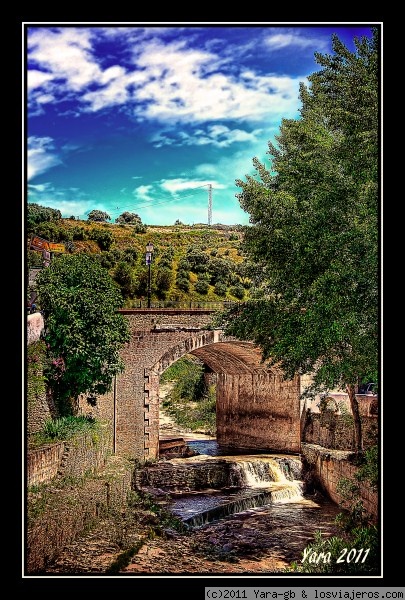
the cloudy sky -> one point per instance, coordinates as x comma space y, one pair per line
125, 117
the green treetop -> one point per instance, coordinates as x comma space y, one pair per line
313, 238
83, 330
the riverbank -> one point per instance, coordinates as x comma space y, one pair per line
263, 540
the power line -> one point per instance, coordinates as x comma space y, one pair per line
173, 200
167, 200
162, 201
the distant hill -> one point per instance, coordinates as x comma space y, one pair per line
197, 263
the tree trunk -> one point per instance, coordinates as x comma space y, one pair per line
354, 405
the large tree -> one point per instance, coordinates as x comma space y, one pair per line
313, 241
99, 216
83, 330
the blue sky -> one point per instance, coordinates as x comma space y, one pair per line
125, 117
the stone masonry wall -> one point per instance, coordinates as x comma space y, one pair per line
335, 431
157, 339
43, 463
85, 453
58, 514
258, 412
327, 467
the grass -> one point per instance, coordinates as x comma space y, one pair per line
190, 402
194, 416
64, 428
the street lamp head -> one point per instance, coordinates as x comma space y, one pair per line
149, 247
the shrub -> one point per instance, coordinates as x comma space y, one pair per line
237, 291
201, 287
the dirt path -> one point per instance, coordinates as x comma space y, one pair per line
167, 425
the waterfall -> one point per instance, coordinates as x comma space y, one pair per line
263, 473
251, 481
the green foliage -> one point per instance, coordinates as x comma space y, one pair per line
37, 214
123, 275
64, 428
182, 280
331, 555
133, 219
98, 215
238, 291
313, 236
84, 333
36, 361
172, 246
139, 228
220, 288
129, 218
202, 287
197, 415
79, 233
188, 374
191, 403
53, 232
369, 467
163, 280
197, 260
103, 237
34, 259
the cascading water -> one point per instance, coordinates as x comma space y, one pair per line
251, 481
264, 473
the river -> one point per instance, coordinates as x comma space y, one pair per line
260, 528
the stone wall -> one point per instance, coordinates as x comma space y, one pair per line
85, 453
336, 431
158, 338
43, 463
258, 412
40, 410
59, 513
325, 468
40, 406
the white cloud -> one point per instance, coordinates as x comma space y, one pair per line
167, 82
220, 136
45, 98
180, 185
37, 78
183, 86
41, 187
276, 41
66, 54
142, 192
40, 156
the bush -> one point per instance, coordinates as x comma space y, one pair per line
64, 428
238, 291
201, 287
124, 277
220, 288
103, 237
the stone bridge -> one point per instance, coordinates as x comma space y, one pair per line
256, 409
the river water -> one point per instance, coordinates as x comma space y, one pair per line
264, 515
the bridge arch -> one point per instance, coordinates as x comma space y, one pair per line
256, 409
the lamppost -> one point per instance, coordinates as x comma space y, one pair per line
148, 257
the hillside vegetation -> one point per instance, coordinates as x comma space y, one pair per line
198, 263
